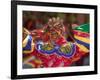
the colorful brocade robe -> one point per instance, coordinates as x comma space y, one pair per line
37, 55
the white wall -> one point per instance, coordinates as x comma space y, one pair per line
5, 40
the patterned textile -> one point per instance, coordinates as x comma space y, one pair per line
62, 54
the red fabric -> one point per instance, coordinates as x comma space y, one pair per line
61, 41
79, 33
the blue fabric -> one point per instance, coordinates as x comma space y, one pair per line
28, 45
83, 43
56, 50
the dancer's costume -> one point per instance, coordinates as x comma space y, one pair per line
60, 53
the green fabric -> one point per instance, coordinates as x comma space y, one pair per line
83, 28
